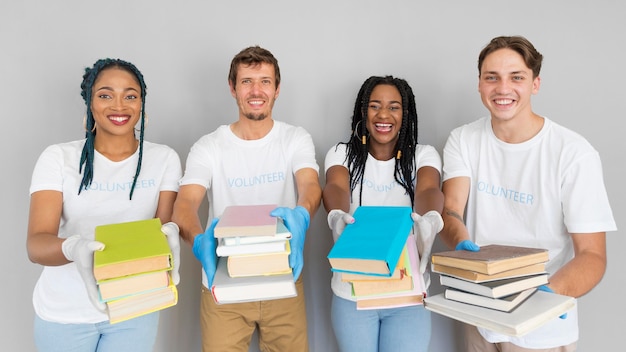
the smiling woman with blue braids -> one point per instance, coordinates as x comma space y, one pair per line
110, 176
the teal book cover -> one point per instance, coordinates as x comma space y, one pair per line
373, 244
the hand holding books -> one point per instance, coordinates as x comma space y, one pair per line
204, 246
297, 222
467, 245
428, 226
172, 233
80, 251
545, 288
337, 221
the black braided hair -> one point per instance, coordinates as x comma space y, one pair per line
89, 78
358, 144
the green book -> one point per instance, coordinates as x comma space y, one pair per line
374, 242
131, 248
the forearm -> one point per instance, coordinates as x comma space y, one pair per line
427, 200
188, 221
45, 249
581, 274
310, 199
454, 230
335, 197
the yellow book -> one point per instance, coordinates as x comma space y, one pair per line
141, 304
131, 248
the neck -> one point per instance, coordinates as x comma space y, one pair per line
382, 152
517, 130
247, 129
116, 148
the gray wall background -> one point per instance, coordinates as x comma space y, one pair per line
326, 49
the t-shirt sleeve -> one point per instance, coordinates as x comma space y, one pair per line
454, 163
427, 155
336, 155
198, 168
48, 171
304, 151
173, 171
586, 207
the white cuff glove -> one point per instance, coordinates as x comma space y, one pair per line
337, 221
428, 225
172, 233
80, 251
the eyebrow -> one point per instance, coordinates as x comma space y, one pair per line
391, 102
111, 89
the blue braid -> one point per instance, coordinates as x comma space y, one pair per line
87, 156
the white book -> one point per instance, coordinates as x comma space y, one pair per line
505, 304
224, 250
497, 288
228, 289
282, 234
537, 310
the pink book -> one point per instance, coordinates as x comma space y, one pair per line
401, 299
247, 220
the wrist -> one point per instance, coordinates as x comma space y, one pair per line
305, 214
67, 247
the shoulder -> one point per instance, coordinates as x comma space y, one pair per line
422, 149
64, 150
565, 135
476, 126
290, 130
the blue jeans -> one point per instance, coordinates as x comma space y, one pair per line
137, 335
380, 330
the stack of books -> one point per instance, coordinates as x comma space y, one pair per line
496, 288
133, 272
253, 256
379, 258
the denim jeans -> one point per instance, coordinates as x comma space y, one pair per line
137, 335
405, 329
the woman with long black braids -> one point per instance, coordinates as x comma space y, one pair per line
382, 164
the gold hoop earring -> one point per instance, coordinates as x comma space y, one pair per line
356, 133
85, 124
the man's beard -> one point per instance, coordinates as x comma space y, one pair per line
256, 117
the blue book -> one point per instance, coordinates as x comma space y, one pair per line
372, 245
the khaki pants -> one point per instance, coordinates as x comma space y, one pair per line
229, 327
474, 342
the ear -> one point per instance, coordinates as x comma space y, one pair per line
536, 85
232, 89
277, 92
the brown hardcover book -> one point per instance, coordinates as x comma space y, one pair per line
474, 276
492, 259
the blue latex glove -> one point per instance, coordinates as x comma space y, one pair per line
297, 222
467, 245
204, 246
545, 288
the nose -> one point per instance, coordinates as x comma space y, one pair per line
117, 103
503, 86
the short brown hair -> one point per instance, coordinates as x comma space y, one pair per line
253, 55
519, 44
